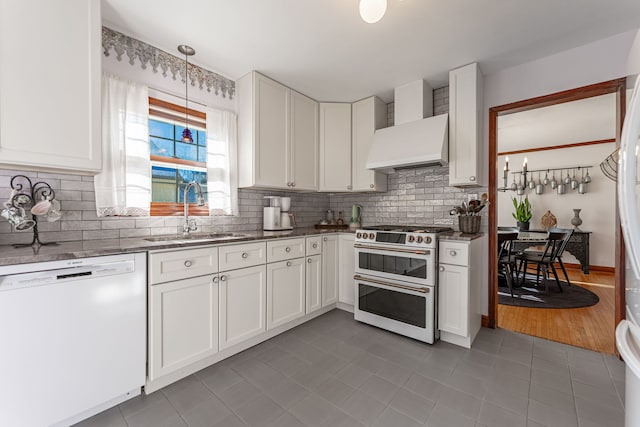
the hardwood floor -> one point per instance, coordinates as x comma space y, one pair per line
590, 327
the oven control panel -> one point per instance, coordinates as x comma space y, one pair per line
415, 240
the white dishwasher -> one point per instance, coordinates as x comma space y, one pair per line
72, 338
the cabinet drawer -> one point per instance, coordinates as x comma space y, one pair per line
176, 265
455, 253
314, 245
240, 256
280, 250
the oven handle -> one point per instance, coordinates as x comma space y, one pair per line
407, 251
393, 285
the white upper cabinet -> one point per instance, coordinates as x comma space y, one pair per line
50, 84
277, 135
304, 142
367, 116
335, 147
465, 126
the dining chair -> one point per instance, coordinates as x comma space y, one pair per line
544, 260
506, 257
565, 242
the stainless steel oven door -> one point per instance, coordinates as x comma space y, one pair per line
408, 265
398, 307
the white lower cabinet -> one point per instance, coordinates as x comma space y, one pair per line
347, 269
330, 269
314, 283
453, 287
286, 299
242, 304
461, 278
184, 323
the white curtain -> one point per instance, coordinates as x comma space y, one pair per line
124, 186
222, 178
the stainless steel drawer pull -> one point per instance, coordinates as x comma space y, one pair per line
223, 278
215, 279
245, 255
393, 285
287, 249
453, 253
406, 251
309, 260
441, 268
288, 263
188, 263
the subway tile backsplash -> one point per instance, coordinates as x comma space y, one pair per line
415, 196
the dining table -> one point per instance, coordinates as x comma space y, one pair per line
578, 244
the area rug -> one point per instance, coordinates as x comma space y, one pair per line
532, 296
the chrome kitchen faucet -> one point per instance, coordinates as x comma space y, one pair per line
190, 225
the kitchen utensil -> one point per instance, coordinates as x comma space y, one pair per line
532, 183
330, 216
545, 181
554, 183
574, 181
539, 189
286, 221
567, 179
587, 177
340, 219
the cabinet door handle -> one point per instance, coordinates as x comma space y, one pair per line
453, 253
245, 255
287, 249
215, 279
309, 260
472, 178
288, 184
223, 278
188, 263
371, 186
293, 184
441, 268
288, 263
325, 239
314, 246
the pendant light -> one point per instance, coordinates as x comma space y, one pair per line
187, 51
371, 11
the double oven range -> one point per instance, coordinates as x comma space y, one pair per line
396, 279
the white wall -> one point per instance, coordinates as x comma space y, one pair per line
157, 81
599, 61
598, 204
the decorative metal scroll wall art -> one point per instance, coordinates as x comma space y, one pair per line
39, 199
558, 179
609, 166
158, 59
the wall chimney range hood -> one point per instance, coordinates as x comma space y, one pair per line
414, 141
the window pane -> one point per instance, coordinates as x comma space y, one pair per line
161, 147
202, 154
163, 184
187, 176
186, 151
161, 129
202, 138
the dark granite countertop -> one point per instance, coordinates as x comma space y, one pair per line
92, 248
457, 235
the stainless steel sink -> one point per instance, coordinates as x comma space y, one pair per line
196, 237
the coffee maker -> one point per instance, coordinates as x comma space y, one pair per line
271, 219
276, 215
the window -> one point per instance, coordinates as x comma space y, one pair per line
175, 163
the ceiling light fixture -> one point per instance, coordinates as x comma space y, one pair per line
371, 11
187, 51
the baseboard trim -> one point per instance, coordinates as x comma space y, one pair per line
602, 268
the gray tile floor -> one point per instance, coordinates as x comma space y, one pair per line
333, 372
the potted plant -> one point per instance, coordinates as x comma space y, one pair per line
522, 212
